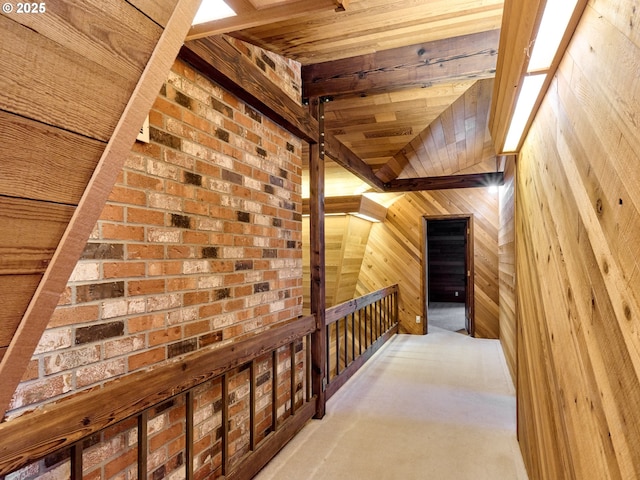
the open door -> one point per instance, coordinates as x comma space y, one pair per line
448, 286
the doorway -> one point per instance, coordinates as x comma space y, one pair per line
448, 273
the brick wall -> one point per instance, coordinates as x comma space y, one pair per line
199, 244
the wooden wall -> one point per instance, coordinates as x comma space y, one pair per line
346, 237
393, 254
578, 288
67, 108
507, 266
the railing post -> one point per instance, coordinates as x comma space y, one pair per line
317, 255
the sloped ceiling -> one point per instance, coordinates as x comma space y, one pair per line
401, 76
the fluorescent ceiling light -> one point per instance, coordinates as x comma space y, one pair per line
365, 217
531, 87
555, 19
212, 10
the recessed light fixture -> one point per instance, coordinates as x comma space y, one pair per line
555, 19
553, 29
212, 10
531, 87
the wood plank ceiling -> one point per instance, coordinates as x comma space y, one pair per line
409, 81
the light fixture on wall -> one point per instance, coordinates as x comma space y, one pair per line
557, 21
212, 10
356, 205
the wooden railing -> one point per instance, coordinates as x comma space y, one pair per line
223, 414
355, 331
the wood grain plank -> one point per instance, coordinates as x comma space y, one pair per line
64, 89
470, 56
30, 233
122, 48
42, 162
276, 13
158, 10
507, 268
14, 305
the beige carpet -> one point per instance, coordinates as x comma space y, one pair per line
439, 406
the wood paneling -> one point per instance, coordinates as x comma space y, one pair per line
30, 233
507, 266
393, 253
577, 230
378, 126
458, 139
368, 26
346, 237
77, 81
40, 161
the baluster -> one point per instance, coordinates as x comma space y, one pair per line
143, 419
225, 424
76, 461
337, 324
308, 368
189, 433
274, 391
359, 332
353, 336
292, 353
346, 343
252, 406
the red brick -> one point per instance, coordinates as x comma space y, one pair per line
195, 298
146, 358
210, 310
168, 108
159, 440
113, 213
145, 216
123, 269
145, 252
196, 328
144, 323
74, 315
145, 182
128, 196
121, 462
198, 238
165, 268
146, 287
112, 231
165, 336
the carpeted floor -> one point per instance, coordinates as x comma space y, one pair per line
439, 406
447, 315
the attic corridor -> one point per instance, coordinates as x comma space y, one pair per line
438, 406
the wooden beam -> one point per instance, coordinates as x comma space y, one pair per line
344, 157
84, 218
221, 62
318, 270
36, 435
447, 60
445, 182
256, 18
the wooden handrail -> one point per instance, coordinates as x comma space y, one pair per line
63, 424
337, 312
368, 322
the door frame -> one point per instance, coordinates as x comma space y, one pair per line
469, 260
